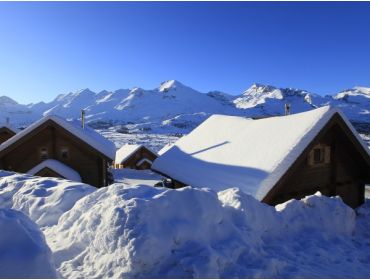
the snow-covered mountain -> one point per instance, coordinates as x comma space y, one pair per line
17, 113
174, 107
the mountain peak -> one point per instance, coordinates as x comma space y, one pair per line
84, 91
7, 100
170, 84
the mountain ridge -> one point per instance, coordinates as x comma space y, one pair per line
175, 106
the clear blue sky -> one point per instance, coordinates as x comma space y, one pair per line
52, 48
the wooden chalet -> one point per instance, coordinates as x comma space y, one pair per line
55, 147
273, 159
134, 157
6, 132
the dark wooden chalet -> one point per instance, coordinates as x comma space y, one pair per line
55, 147
134, 157
273, 159
6, 132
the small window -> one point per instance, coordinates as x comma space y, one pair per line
44, 153
318, 155
64, 153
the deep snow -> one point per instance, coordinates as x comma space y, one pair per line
141, 232
43, 199
131, 229
23, 250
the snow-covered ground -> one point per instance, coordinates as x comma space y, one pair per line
132, 177
43, 199
131, 229
152, 141
23, 249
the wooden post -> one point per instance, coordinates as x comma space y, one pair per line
83, 118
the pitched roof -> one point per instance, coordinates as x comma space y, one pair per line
228, 151
60, 168
87, 135
128, 150
15, 130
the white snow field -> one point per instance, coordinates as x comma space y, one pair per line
133, 230
132, 177
43, 199
23, 250
146, 232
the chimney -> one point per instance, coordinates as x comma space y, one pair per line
287, 109
7, 120
83, 119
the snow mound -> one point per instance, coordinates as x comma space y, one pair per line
43, 199
23, 253
146, 232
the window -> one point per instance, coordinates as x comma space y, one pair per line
318, 155
64, 153
44, 153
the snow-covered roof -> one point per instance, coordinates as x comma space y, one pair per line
165, 148
128, 150
228, 151
88, 135
60, 168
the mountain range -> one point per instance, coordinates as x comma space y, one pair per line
174, 107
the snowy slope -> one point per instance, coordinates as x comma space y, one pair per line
173, 107
355, 102
170, 99
269, 100
18, 114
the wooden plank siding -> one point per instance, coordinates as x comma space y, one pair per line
345, 175
25, 153
141, 153
5, 134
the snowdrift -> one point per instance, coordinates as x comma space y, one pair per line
23, 250
146, 232
43, 199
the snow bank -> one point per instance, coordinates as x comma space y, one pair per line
141, 232
23, 250
43, 199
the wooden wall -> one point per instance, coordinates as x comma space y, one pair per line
137, 156
5, 134
343, 175
90, 164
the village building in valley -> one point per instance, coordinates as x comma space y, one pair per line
273, 159
134, 157
55, 147
6, 132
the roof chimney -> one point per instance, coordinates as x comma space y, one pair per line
7, 120
83, 118
287, 109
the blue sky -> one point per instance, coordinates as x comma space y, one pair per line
51, 48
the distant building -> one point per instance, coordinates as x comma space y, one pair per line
273, 159
134, 157
6, 132
55, 147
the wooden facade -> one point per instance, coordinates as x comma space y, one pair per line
141, 159
51, 141
5, 133
343, 169
334, 163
